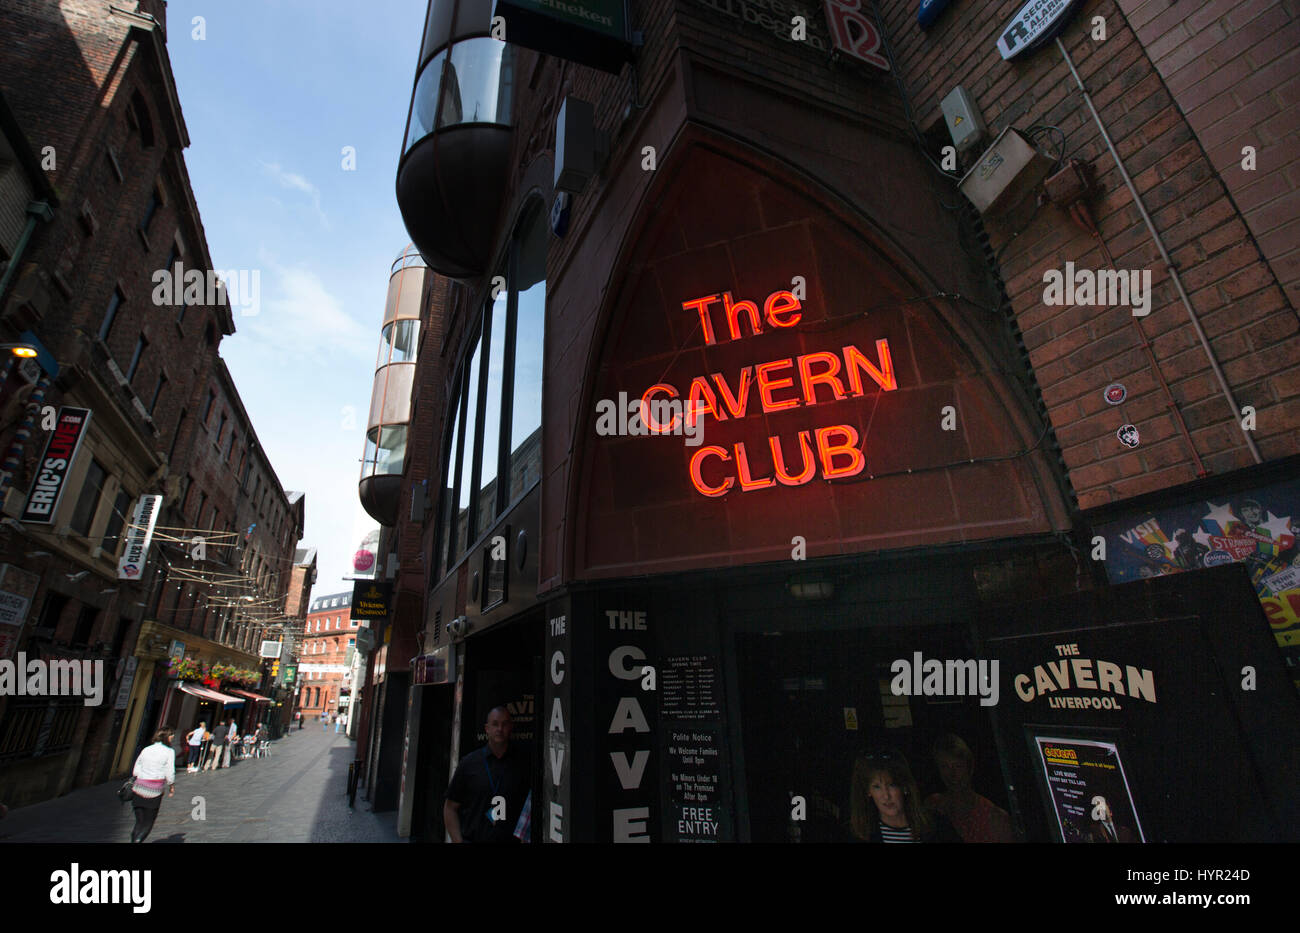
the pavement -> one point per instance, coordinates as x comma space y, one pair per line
297, 794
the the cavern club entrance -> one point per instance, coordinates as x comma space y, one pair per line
1120, 712
814, 685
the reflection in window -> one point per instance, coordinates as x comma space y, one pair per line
483, 73
398, 342
512, 407
467, 462
450, 469
479, 88
526, 408
487, 499
385, 451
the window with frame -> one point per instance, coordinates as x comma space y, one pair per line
492, 457
207, 409
151, 209
176, 435
157, 392
110, 315
141, 344
83, 514
116, 521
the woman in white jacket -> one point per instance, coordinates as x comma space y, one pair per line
154, 770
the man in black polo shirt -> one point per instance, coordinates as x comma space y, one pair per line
488, 790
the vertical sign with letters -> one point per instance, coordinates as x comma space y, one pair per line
626, 717
138, 537
55, 464
555, 814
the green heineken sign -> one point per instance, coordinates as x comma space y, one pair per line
589, 32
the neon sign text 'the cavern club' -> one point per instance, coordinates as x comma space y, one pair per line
778, 385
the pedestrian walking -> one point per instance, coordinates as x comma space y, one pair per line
217, 747
195, 741
338, 723
324, 721
154, 771
344, 717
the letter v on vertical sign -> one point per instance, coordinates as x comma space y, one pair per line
629, 775
557, 764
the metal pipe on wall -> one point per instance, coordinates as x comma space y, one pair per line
1164, 254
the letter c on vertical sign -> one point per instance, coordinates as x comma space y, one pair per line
618, 662
557, 667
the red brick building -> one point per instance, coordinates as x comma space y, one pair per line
327, 648
99, 283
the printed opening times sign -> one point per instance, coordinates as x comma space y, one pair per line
831, 451
52, 472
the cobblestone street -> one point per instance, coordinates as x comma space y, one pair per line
294, 795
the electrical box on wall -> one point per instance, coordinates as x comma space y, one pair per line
965, 123
1007, 171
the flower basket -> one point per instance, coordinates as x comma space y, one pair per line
187, 669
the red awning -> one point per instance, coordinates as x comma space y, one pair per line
257, 697
204, 693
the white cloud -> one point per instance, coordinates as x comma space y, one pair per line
295, 182
298, 311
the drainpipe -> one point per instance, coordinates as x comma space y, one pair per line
35, 210
1164, 254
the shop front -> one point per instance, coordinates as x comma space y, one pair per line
182, 680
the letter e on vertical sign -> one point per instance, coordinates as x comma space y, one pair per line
854, 33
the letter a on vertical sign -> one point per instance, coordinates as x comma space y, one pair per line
131, 564
854, 33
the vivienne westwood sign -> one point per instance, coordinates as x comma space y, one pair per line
1037, 23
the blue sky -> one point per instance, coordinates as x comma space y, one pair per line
271, 95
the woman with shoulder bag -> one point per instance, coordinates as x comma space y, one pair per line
154, 770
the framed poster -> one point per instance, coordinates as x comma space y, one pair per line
1085, 787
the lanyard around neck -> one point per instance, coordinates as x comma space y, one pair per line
492, 782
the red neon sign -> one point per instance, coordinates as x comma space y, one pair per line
808, 380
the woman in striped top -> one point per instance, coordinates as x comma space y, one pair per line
155, 770
895, 812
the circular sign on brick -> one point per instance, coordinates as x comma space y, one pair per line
1115, 393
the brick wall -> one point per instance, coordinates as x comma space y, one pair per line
1233, 68
1077, 350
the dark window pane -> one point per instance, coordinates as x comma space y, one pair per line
121, 508
114, 302
88, 502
